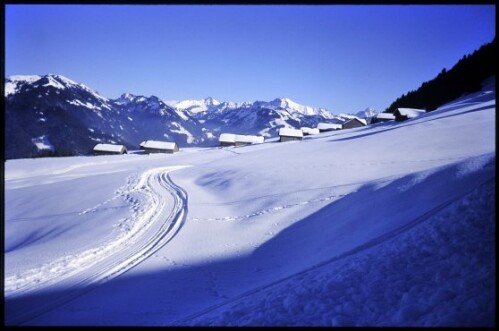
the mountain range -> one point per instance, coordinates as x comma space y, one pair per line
53, 115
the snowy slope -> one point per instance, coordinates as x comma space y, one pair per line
390, 224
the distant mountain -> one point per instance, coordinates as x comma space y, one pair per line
259, 117
54, 115
463, 78
70, 118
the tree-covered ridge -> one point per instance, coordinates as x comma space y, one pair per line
463, 78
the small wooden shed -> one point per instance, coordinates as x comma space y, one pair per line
324, 127
384, 117
155, 146
109, 149
402, 114
249, 139
287, 134
354, 123
231, 139
227, 139
308, 131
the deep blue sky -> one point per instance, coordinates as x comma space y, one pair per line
343, 58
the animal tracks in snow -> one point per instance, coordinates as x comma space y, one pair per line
270, 210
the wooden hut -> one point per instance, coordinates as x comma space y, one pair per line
324, 127
309, 131
231, 139
383, 117
402, 114
227, 139
155, 146
109, 149
287, 134
248, 139
354, 123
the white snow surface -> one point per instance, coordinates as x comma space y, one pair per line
388, 225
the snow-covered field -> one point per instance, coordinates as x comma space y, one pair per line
391, 224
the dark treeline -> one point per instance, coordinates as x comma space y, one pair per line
465, 77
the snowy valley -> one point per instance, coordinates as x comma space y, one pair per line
38, 107
391, 224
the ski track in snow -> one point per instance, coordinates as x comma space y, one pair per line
150, 231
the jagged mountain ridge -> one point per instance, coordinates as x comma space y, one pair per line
70, 118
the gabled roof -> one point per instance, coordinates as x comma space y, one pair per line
288, 132
328, 126
386, 116
248, 139
361, 120
155, 144
309, 130
410, 112
240, 138
109, 148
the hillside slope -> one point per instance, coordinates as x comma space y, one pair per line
390, 224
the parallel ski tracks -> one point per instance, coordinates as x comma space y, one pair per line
162, 225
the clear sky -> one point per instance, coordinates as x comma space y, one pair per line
343, 58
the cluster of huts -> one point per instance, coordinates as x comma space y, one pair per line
148, 146
285, 134
400, 114
290, 134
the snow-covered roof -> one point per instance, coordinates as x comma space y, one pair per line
227, 138
328, 126
233, 138
288, 132
309, 130
166, 145
386, 116
361, 120
410, 112
249, 139
109, 148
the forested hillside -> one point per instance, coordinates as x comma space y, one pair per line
463, 78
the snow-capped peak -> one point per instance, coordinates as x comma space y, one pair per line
24, 78
296, 107
14, 83
125, 98
197, 106
367, 113
210, 101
